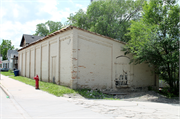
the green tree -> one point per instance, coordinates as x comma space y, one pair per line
154, 39
110, 18
44, 29
5, 46
79, 19
41, 30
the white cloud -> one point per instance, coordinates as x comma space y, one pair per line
67, 9
78, 5
15, 13
18, 18
70, 1
14, 31
3, 12
84, 9
81, 7
56, 14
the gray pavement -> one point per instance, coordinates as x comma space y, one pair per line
27, 103
8, 107
37, 104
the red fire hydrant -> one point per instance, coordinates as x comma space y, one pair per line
37, 81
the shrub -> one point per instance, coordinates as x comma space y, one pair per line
169, 92
149, 88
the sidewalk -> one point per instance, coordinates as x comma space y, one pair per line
38, 104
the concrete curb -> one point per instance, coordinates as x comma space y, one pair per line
17, 105
4, 90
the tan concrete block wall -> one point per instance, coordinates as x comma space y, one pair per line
94, 64
138, 75
65, 60
143, 76
80, 59
27, 64
109, 58
39, 59
23, 64
32, 64
53, 60
19, 63
44, 63
37, 62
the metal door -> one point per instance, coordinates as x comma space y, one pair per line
122, 72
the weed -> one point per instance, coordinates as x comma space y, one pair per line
93, 94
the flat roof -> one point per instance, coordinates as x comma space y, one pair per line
66, 29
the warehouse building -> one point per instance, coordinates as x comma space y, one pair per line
78, 58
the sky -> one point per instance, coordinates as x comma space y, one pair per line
18, 17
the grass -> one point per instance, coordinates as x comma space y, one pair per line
59, 90
46, 86
7, 73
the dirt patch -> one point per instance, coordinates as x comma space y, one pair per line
73, 96
149, 96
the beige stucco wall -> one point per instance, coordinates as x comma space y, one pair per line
79, 59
